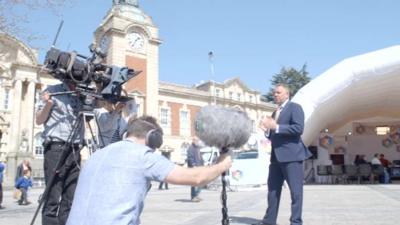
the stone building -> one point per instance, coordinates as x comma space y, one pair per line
131, 39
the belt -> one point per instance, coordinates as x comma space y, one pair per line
57, 141
61, 143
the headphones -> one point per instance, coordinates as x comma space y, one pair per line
154, 138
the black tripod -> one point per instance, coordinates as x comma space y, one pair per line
68, 148
310, 178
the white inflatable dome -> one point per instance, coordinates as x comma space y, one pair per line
360, 87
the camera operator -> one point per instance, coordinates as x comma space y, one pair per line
118, 177
59, 113
112, 122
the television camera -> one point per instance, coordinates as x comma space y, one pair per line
94, 80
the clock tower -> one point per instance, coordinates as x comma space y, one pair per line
130, 39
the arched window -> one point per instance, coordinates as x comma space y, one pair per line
39, 145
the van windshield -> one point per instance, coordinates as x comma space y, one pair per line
247, 155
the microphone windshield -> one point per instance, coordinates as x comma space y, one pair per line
223, 127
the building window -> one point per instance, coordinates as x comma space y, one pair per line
6, 102
239, 96
251, 98
217, 92
230, 95
165, 121
184, 122
39, 145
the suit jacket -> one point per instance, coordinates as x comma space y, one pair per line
287, 143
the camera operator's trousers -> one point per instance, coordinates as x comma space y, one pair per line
61, 192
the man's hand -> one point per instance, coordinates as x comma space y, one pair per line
268, 123
43, 114
47, 98
225, 160
119, 106
199, 176
115, 108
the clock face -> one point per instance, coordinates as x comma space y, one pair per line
135, 41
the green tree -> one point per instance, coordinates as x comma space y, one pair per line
295, 79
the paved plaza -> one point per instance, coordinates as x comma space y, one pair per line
323, 205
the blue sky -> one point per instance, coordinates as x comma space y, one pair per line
250, 39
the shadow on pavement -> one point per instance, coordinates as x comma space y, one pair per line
243, 220
183, 200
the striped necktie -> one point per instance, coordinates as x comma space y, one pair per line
277, 113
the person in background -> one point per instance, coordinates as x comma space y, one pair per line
168, 156
194, 159
25, 165
2, 168
386, 164
360, 159
23, 184
376, 171
375, 160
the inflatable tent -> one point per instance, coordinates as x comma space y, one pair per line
360, 87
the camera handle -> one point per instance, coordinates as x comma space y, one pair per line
71, 63
68, 145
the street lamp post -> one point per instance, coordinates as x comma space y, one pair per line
211, 60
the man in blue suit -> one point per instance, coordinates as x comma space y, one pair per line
284, 129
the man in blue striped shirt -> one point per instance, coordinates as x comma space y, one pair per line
59, 113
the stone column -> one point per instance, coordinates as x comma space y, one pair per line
30, 110
12, 160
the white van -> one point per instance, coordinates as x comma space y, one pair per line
209, 155
249, 168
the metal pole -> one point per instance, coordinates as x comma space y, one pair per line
58, 32
211, 60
